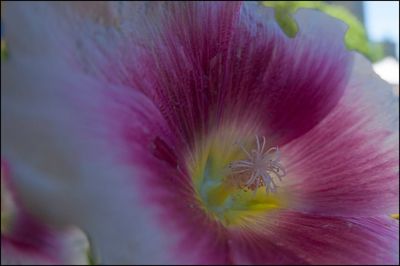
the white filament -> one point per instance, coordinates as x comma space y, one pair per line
262, 166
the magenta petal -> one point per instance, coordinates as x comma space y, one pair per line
252, 248
210, 63
202, 65
165, 188
348, 164
296, 238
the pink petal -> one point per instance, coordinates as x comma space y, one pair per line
208, 64
32, 242
296, 238
164, 187
27, 240
94, 154
70, 139
120, 155
348, 164
252, 248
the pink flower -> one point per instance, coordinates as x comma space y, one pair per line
25, 240
199, 133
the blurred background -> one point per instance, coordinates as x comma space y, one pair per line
373, 30
381, 22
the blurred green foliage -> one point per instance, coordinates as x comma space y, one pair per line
355, 38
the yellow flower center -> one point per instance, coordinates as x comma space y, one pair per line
237, 177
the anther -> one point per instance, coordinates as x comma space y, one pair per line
260, 168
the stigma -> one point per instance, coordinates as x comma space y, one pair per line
261, 168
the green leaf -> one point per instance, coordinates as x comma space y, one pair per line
355, 38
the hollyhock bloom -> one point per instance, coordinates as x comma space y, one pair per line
26, 240
200, 133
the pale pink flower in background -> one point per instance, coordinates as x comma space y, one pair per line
199, 133
27, 240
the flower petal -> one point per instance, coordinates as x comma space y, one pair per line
27, 240
33, 244
318, 240
66, 136
208, 64
98, 155
72, 169
348, 164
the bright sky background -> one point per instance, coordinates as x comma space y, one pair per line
382, 20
